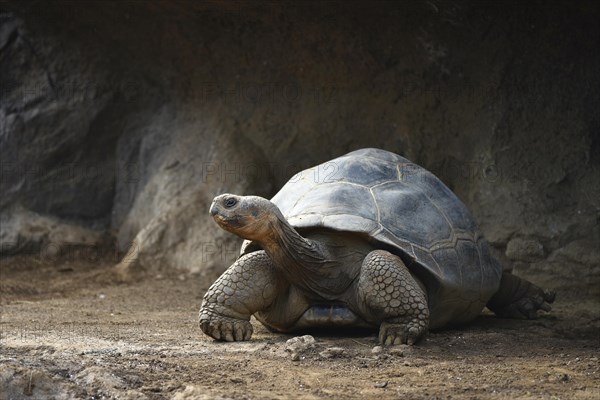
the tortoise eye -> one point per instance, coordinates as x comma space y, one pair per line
230, 202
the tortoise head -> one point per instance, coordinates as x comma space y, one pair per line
250, 217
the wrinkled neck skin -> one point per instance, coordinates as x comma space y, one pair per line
290, 252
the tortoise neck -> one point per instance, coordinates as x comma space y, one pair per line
289, 250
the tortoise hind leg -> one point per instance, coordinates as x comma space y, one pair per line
519, 298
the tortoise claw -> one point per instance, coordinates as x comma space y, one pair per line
224, 328
536, 299
527, 307
402, 333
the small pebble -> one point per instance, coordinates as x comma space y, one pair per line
300, 343
332, 352
381, 385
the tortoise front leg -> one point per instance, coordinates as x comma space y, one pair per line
389, 295
248, 286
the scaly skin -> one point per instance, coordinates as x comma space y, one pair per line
248, 286
387, 292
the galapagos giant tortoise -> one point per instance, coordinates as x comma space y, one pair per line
368, 239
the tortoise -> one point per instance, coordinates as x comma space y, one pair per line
368, 239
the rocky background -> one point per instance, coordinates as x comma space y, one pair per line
120, 121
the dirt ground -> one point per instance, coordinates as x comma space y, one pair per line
69, 331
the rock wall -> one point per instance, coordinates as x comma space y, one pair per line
124, 119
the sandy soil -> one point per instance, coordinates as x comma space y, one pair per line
69, 331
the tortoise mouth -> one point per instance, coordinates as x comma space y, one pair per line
229, 223
220, 219
226, 224
216, 213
